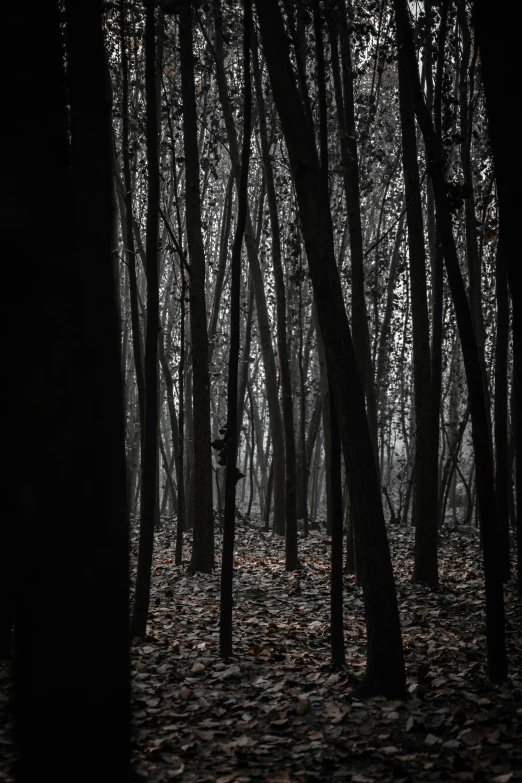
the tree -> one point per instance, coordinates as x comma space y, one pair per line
203, 542
496, 642
149, 468
69, 538
225, 617
498, 46
282, 339
425, 487
385, 662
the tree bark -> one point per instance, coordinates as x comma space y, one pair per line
202, 558
385, 662
227, 567
497, 40
69, 401
149, 466
291, 556
265, 332
495, 626
426, 424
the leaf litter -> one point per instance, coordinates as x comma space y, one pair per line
277, 711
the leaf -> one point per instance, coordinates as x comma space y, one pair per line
471, 737
173, 773
233, 672
280, 776
503, 778
198, 668
431, 739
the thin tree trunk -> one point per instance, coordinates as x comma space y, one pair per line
225, 614
497, 38
265, 332
502, 472
350, 164
426, 440
128, 239
149, 490
495, 625
202, 558
385, 661
291, 557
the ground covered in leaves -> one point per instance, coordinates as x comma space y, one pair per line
277, 712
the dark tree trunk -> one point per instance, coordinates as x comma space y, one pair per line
227, 567
149, 466
336, 592
181, 521
66, 543
496, 640
385, 662
426, 424
203, 542
497, 40
350, 162
502, 467
129, 227
291, 557
265, 332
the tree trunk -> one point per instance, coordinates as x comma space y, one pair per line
495, 626
426, 441
227, 567
497, 39
291, 557
149, 489
502, 468
70, 404
349, 158
385, 662
203, 542
265, 331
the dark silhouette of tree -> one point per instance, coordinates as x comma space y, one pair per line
497, 661
425, 484
385, 663
497, 44
203, 542
225, 617
69, 530
149, 468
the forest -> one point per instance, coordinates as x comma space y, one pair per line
263, 373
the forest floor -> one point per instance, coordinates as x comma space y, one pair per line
277, 712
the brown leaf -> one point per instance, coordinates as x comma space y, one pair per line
471, 736
279, 776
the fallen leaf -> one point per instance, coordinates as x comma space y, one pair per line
280, 776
